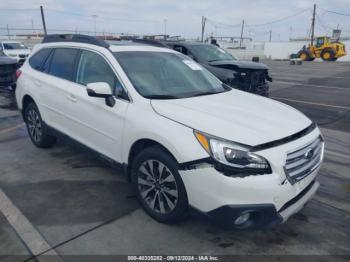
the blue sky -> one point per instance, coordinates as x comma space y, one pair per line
183, 17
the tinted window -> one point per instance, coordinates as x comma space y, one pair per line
37, 60
94, 68
46, 66
63, 63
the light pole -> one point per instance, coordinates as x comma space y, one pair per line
94, 17
165, 21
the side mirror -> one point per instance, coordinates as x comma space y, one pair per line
192, 57
102, 90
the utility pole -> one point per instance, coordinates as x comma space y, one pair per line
240, 42
8, 31
270, 36
165, 21
43, 19
313, 25
32, 22
94, 17
204, 19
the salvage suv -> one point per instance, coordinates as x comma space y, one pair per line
186, 140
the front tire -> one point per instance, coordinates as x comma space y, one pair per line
37, 130
158, 185
305, 56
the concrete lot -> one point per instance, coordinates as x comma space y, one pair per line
78, 205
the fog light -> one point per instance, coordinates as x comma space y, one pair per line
242, 219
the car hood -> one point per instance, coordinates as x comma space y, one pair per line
240, 64
236, 116
7, 60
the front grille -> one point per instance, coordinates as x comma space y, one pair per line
303, 161
253, 81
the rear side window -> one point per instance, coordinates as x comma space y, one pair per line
63, 63
37, 60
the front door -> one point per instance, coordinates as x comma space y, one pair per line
93, 122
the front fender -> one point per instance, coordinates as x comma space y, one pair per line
177, 138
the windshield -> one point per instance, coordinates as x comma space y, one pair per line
12, 46
2, 53
161, 75
211, 53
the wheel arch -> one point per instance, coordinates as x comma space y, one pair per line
140, 145
26, 100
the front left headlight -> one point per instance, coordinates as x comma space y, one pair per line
235, 157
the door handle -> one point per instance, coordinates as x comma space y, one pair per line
72, 98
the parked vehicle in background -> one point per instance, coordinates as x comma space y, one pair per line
8, 67
245, 75
325, 48
16, 50
184, 139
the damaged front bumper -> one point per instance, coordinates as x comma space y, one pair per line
223, 199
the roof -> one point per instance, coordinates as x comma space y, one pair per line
146, 48
112, 47
188, 43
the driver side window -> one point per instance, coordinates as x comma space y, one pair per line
319, 42
94, 68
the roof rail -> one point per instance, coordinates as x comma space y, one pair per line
150, 42
76, 38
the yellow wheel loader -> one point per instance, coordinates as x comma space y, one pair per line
324, 48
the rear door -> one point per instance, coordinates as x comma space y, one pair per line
92, 122
57, 78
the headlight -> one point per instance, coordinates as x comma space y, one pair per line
13, 55
233, 155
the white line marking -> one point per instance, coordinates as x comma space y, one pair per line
26, 231
328, 152
11, 129
307, 76
311, 103
305, 84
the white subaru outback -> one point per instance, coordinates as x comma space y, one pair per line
186, 140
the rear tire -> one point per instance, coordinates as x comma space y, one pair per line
38, 132
158, 185
328, 55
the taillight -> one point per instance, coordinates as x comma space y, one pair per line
18, 73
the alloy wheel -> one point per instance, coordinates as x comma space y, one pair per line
157, 186
34, 125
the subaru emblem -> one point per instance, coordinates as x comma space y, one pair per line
309, 153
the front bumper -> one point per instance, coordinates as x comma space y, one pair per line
261, 215
271, 198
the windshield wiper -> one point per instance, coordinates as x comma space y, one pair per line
207, 93
161, 97
214, 60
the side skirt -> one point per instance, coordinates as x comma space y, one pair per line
120, 167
